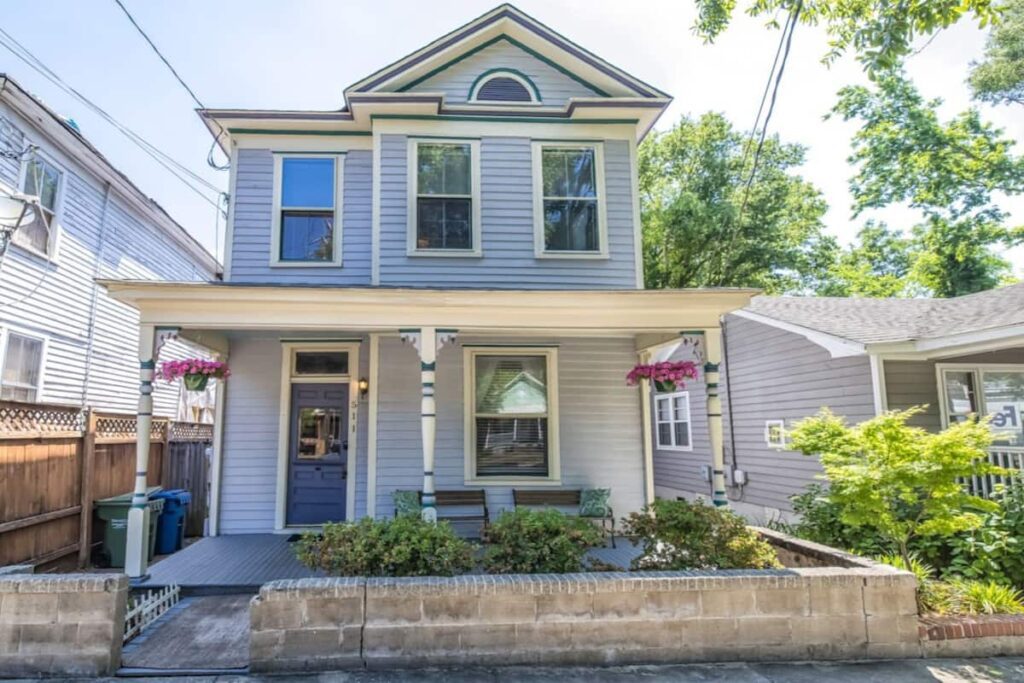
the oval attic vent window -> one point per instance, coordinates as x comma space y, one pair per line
504, 87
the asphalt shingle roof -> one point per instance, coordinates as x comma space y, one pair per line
870, 321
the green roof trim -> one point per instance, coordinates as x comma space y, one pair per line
506, 70
504, 119
291, 131
513, 41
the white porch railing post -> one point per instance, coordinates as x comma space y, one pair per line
428, 341
136, 560
712, 359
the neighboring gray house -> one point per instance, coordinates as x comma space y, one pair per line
787, 357
63, 339
437, 287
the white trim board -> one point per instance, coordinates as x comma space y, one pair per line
838, 347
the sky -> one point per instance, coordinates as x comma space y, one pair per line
302, 54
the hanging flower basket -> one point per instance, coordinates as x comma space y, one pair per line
194, 372
667, 376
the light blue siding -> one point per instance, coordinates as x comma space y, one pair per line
250, 446
253, 207
555, 86
508, 260
58, 300
599, 422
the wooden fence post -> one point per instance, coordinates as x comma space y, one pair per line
85, 514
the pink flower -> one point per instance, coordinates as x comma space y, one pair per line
172, 370
675, 372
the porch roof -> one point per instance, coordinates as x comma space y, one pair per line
230, 306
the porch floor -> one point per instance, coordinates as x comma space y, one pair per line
242, 563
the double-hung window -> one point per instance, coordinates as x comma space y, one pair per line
568, 200
511, 420
307, 210
672, 414
444, 197
43, 180
22, 368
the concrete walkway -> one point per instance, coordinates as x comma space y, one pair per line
992, 670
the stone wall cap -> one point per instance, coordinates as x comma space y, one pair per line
63, 583
326, 587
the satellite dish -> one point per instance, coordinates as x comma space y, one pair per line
16, 210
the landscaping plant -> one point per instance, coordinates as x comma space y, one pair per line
676, 534
901, 481
404, 546
994, 551
821, 521
526, 541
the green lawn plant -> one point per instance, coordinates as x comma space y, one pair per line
899, 480
531, 541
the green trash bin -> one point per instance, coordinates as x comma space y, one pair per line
114, 511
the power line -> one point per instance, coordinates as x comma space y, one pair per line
171, 165
192, 94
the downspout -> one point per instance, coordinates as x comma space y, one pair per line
728, 398
94, 304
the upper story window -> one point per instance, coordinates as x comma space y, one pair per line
306, 211
22, 368
504, 86
568, 194
444, 201
41, 179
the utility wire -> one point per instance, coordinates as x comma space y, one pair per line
192, 94
177, 169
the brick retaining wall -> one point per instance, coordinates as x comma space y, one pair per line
61, 624
814, 613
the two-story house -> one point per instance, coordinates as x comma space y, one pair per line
438, 286
63, 339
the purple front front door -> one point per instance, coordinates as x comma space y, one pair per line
318, 454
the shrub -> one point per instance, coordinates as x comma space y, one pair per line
995, 550
821, 521
900, 480
985, 597
405, 546
676, 534
528, 541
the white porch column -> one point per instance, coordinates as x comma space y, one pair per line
137, 551
712, 359
427, 342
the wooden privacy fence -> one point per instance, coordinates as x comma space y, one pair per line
56, 461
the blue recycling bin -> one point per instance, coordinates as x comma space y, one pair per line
170, 530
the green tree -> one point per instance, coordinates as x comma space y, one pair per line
999, 78
877, 265
701, 228
949, 171
879, 32
900, 480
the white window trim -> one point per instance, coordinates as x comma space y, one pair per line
5, 336
412, 193
474, 95
58, 210
275, 224
657, 421
978, 370
288, 377
470, 477
537, 147
781, 424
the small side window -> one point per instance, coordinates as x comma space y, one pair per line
43, 180
672, 417
22, 368
775, 434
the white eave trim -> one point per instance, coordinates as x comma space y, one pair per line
980, 341
838, 347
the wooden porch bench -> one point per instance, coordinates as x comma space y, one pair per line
561, 498
469, 498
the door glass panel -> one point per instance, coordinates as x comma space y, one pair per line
319, 433
1004, 400
321, 363
960, 397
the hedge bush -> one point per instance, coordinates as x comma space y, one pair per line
676, 534
404, 546
528, 541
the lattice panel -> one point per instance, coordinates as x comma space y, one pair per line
29, 419
190, 431
122, 427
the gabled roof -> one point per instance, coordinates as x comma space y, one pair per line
509, 23
890, 321
78, 147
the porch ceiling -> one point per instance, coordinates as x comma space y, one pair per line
225, 306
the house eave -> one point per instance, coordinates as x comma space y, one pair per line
960, 344
220, 306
